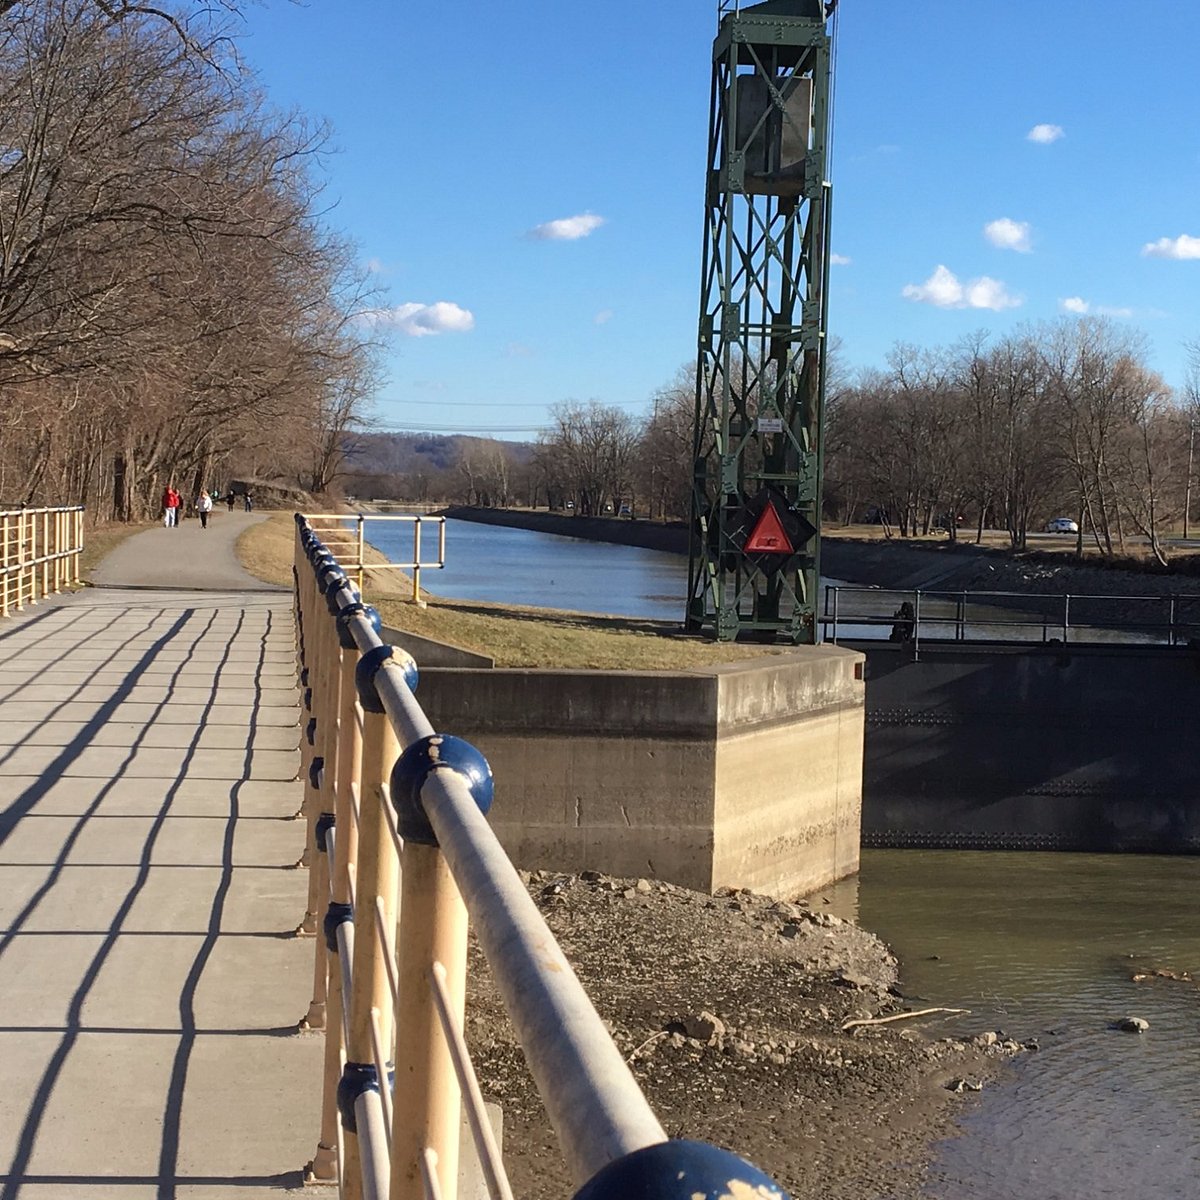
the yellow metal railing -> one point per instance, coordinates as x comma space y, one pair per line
401, 856
335, 527
39, 554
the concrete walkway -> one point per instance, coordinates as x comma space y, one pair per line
149, 984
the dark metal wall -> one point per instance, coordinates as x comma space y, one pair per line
1032, 747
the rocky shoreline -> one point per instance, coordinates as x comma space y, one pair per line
749, 1022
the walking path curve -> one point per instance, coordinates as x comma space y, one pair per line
149, 982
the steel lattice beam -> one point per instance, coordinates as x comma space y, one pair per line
761, 360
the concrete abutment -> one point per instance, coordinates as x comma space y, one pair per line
747, 774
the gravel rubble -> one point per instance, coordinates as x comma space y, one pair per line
730, 1010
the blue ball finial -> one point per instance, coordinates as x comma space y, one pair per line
681, 1170
438, 752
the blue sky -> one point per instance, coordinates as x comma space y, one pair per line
526, 182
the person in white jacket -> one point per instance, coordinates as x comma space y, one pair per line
204, 507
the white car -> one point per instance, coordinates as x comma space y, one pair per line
1062, 525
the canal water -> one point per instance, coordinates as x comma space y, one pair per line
544, 570
525, 567
1036, 945
1045, 946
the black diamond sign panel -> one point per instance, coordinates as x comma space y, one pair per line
769, 532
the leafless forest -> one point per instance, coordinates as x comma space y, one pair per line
172, 306
1065, 419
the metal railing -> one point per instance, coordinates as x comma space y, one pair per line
397, 818
333, 525
918, 614
39, 554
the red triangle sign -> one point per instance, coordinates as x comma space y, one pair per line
768, 536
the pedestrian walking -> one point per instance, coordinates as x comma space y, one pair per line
204, 507
170, 504
249, 501
229, 499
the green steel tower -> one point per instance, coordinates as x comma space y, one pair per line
760, 375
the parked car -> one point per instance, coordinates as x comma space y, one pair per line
1062, 525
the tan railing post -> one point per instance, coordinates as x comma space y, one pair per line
5, 562
334, 877
433, 929
378, 877
416, 596
361, 549
45, 553
349, 861
371, 1011
308, 618
64, 554
20, 561
318, 881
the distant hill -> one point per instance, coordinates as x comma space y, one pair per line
419, 453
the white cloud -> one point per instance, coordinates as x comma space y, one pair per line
1184, 246
1080, 306
422, 320
840, 260
1009, 234
1045, 134
943, 289
986, 292
603, 316
375, 266
518, 350
566, 229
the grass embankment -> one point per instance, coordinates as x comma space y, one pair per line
513, 637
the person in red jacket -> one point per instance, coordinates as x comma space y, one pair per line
170, 503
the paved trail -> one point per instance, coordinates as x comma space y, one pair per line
184, 557
148, 982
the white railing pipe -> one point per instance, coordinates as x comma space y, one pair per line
591, 1097
492, 1165
372, 1144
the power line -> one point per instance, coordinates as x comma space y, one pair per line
426, 428
498, 407
455, 404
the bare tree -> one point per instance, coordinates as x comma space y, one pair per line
590, 453
169, 302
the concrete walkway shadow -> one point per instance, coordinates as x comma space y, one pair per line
149, 985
